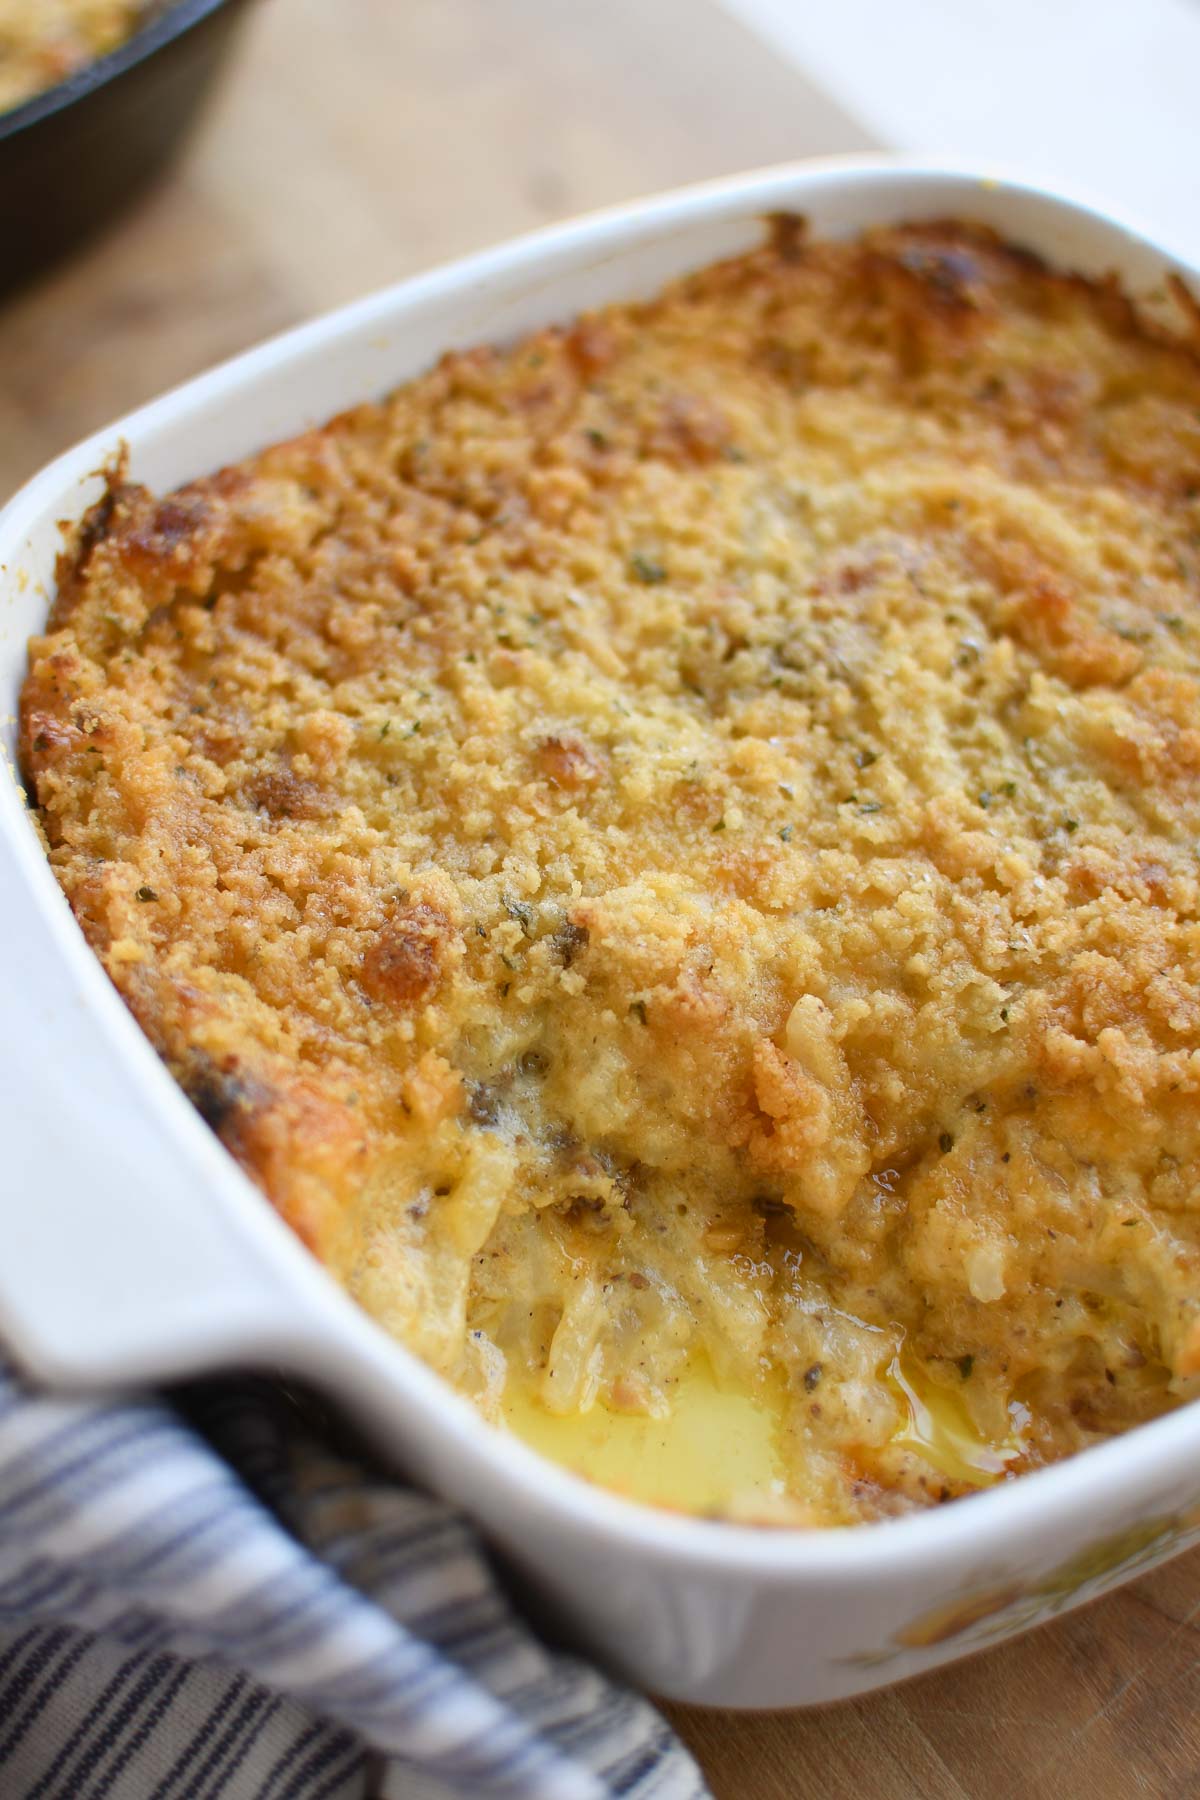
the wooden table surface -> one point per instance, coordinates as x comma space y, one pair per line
349, 145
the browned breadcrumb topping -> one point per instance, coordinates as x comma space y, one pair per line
681, 836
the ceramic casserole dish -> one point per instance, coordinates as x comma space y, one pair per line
135, 1250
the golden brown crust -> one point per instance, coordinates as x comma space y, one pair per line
683, 833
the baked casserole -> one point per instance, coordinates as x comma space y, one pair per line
42, 42
669, 853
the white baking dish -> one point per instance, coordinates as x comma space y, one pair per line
133, 1248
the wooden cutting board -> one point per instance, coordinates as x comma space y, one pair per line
350, 145
1104, 1704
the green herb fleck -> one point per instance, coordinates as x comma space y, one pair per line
871, 806
785, 832
597, 439
864, 758
720, 825
965, 1365
522, 912
985, 799
1008, 789
1071, 825
648, 571
385, 728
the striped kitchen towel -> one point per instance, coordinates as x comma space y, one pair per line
217, 1597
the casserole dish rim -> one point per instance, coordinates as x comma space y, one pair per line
334, 1334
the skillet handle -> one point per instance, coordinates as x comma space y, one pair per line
131, 1249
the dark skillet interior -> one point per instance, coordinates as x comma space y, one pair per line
70, 156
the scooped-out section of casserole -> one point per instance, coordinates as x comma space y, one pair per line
42, 42
669, 851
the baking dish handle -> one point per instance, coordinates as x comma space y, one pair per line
133, 1250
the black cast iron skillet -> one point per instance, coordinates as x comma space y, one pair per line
70, 156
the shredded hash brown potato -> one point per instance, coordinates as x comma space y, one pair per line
673, 846
44, 41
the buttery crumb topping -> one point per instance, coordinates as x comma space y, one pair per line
675, 843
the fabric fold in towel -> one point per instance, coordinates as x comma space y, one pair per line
208, 1598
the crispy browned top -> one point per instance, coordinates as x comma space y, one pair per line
684, 833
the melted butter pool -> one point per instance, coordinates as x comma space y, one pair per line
717, 1443
721, 1444
938, 1428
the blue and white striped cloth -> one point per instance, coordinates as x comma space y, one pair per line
207, 1598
